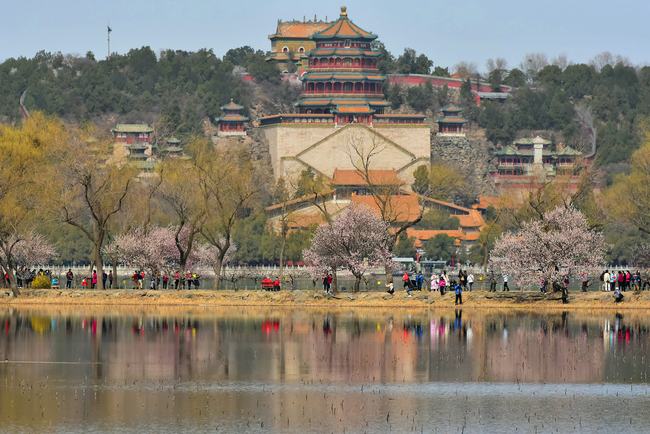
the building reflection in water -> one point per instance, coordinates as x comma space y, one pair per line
104, 363
322, 346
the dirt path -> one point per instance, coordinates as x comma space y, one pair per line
428, 300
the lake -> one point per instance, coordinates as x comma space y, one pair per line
239, 370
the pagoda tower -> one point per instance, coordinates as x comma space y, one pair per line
342, 105
232, 122
451, 122
343, 77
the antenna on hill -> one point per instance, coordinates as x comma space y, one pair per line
109, 39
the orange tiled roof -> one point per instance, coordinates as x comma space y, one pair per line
377, 177
294, 201
473, 220
398, 115
303, 221
343, 77
422, 235
353, 109
298, 30
404, 207
486, 201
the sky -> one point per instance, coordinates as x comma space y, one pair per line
446, 32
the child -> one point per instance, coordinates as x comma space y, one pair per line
459, 294
84, 284
434, 283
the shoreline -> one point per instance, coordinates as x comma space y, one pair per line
151, 299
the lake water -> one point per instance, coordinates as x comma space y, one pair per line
316, 371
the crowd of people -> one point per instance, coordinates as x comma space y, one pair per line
437, 282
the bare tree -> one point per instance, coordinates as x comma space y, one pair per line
606, 58
499, 63
180, 189
466, 69
585, 119
561, 61
364, 151
282, 196
532, 64
229, 184
91, 186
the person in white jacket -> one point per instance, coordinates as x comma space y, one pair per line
470, 280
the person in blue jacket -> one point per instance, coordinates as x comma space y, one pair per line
459, 294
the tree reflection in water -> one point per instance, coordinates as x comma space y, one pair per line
139, 365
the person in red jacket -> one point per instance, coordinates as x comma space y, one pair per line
406, 280
621, 281
276, 284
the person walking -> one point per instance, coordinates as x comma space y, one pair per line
585, 281
470, 281
493, 282
543, 286
325, 282
628, 280
165, 280
104, 277
612, 281
505, 283
94, 280
406, 280
646, 280
110, 279
605, 279
636, 279
443, 283
69, 277
419, 280
411, 287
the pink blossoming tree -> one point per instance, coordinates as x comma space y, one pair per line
355, 241
152, 250
33, 250
560, 245
16, 253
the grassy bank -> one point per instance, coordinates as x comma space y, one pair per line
428, 300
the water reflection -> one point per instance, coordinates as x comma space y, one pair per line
301, 346
86, 356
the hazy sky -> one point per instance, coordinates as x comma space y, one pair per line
446, 32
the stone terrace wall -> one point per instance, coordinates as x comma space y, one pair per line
474, 157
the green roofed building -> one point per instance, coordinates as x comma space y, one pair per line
521, 158
135, 139
451, 123
232, 122
173, 148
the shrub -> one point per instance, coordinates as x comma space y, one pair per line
41, 282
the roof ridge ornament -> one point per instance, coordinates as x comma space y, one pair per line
344, 11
